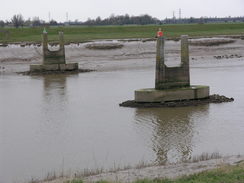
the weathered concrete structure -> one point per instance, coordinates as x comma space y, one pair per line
172, 77
172, 83
53, 57
53, 60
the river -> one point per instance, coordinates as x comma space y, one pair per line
67, 123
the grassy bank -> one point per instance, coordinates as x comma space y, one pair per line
85, 33
224, 174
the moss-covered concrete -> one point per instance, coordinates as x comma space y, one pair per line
53, 57
172, 77
53, 60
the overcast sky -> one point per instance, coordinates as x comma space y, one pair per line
82, 9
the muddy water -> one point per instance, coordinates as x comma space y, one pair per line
71, 122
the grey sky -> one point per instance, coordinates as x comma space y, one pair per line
82, 9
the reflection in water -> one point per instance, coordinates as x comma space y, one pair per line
57, 82
54, 105
172, 130
55, 99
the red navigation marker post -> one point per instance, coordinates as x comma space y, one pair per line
160, 33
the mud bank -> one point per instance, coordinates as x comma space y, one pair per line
211, 41
29, 73
104, 46
133, 55
170, 171
183, 103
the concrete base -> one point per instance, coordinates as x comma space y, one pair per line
54, 67
187, 93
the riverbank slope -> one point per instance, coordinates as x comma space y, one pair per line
169, 171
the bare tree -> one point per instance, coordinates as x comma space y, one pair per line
36, 22
18, 20
53, 22
2, 23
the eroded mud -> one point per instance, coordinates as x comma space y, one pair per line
137, 54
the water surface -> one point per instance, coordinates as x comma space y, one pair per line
71, 122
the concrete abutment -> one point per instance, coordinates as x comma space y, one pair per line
53, 60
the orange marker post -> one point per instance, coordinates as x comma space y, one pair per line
160, 33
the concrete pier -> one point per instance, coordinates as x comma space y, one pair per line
172, 77
53, 57
172, 83
53, 60
175, 94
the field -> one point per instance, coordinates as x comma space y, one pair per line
86, 33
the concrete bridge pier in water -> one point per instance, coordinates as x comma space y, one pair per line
53, 60
172, 83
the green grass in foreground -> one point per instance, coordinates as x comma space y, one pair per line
224, 174
86, 33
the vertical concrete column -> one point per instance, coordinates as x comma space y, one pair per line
184, 50
61, 46
185, 57
61, 40
44, 46
160, 67
44, 41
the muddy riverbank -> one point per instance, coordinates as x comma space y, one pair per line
170, 171
132, 55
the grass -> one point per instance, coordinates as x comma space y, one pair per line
86, 33
223, 174
204, 157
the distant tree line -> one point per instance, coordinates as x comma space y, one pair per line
18, 21
202, 20
147, 19
122, 20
